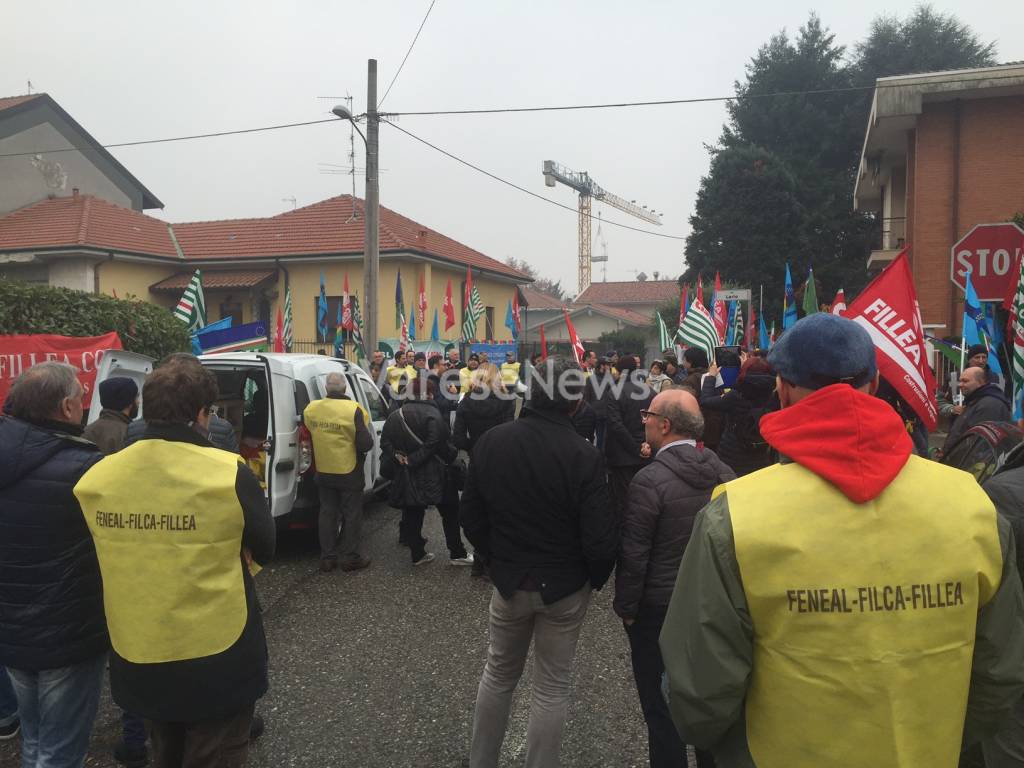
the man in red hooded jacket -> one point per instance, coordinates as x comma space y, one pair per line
853, 605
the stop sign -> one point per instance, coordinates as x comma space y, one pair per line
991, 252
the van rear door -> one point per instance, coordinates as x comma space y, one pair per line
117, 362
280, 429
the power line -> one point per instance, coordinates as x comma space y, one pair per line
400, 66
172, 138
696, 100
482, 112
477, 168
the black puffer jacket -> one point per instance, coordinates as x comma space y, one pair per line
625, 428
987, 403
584, 421
428, 457
51, 594
741, 446
664, 499
476, 414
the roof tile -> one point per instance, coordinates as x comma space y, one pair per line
84, 220
629, 292
6, 102
333, 226
213, 281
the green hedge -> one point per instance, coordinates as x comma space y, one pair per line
143, 327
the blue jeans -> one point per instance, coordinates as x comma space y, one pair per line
58, 707
8, 701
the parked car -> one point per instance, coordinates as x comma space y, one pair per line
263, 396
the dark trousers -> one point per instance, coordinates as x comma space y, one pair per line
222, 743
410, 530
618, 486
344, 505
133, 729
666, 749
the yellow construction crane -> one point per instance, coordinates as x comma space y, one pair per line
590, 190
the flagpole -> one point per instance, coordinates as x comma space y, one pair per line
762, 300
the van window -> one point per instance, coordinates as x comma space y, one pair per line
301, 397
378, 411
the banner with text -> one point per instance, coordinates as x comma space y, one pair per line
887, 309
18, 353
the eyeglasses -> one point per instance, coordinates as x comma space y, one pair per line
645, 415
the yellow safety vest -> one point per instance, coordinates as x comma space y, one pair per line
168, 532
466, 379
509, 374
395, 374
332, 423
864, 614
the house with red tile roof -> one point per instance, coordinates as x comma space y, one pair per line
71, 215
637, 295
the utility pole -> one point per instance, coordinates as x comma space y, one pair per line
371, 255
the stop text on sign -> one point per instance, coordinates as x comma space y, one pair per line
991, 253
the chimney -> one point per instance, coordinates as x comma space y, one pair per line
74, 192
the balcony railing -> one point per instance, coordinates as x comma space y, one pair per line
892, 234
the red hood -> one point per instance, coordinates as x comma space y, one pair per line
855, 441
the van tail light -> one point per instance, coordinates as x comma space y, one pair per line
305, 450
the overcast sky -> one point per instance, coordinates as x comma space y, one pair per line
135, 70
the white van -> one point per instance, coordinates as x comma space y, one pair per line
263, 395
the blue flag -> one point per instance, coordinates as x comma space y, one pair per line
976, 328
730, 333
321, 310
412, 323
789, 307
435, 334
510, 320
219, 325
764, 340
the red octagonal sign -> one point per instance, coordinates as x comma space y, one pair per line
990, 252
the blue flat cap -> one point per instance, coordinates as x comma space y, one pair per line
824, 349
118, 392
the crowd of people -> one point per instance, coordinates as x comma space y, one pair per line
795, 585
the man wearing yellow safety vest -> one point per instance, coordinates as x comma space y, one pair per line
510, 372
466, 374
177, 525
854, 605
399, 369
340, 441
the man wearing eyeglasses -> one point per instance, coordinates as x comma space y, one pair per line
664, 498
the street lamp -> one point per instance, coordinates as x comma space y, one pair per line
371, 246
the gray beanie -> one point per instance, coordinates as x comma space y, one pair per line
824, 349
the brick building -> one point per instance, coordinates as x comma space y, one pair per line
944, 151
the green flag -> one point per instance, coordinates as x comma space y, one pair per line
191, 309
810, 294
664, 340
472, 314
